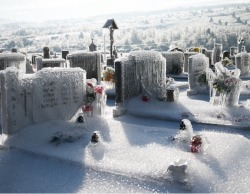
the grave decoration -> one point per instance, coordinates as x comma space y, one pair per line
95, 99
174, 62
197, 74
196, 142
108, 77
95, 138
172, 90
225, 86
185, 133
178, 171
89, 61
49, 94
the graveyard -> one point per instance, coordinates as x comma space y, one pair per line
145, 121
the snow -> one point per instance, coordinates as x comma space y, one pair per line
133, 155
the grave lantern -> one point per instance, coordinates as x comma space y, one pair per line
111, 25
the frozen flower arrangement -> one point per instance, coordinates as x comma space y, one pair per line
109, 74
225, 62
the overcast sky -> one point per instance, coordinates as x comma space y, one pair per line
40, 10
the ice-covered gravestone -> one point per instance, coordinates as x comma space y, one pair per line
17, 60
52, 62
89, 61
49, 94
217, 52
174, 62
186, 56
209, 55
242, 61
197, 74
224, 86
140, 72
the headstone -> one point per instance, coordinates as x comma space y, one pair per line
217, 52
64, 54
49, 94
17, 60
89, 61
53, 62
46, 54
226, 54
174, 62
186, 56
209, 54
233, 51
140, 72
243, 62
203, 51
14, 50
197, 74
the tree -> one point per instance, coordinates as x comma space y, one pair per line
135, 39
220, 23
211, 20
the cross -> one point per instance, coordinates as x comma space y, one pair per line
25, 94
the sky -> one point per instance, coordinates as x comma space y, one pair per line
30, 10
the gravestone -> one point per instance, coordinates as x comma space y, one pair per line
186, 56
242, 61
217, 52
53, 62
197, 74
89, 61
142, 72
49, 94
209, 54
17, 60
64, 54
226, 54
174, 62
46, 54
233, 51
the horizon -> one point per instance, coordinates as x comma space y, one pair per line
41, 11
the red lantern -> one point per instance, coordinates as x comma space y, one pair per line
195, 144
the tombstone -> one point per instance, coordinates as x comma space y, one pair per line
209, 54
203, 51
17, 60
46, 54
242, 62
174, 62
140, 72
233, 51
226, 54
217, 52
186, 56
49, 94
89, 61
55, 62
64, 54
197, 74
14, 50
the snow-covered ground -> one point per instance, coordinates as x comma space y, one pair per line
133, 156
